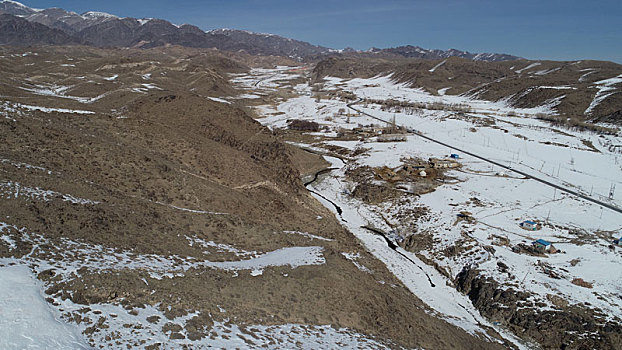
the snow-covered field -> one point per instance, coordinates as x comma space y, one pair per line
581, 230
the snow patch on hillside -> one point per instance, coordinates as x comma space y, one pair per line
75, 255
219, 100
98, 15
435, 67
27, 321
14, 190
308, 235
605, 88
535, 64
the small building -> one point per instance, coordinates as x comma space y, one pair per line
422, 173
391, 138
529, 225
454, 156
443, 163
542, 245
367, 131
413, 169
618, 241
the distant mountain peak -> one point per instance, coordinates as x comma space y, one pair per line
16, 8
105, 29
15, 3
96, 14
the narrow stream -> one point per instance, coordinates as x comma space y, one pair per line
315, 177
390, 243
394, 246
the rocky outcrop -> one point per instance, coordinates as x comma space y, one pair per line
566, 327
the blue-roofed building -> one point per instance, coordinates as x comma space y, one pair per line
454, 156
543, 245
529, 225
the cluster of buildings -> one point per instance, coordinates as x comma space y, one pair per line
540, 245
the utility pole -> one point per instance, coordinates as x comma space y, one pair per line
524, 278
547, 216
393, 128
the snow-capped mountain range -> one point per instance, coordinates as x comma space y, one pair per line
418, 52
20, 25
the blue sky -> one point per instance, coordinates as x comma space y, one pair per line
558, 30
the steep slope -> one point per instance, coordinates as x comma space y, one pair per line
262, 44
16, 8
70, 22
18, 31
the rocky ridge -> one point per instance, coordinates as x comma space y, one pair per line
106, 30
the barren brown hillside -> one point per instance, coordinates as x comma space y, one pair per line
121, 182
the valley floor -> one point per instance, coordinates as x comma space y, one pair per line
471, 218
